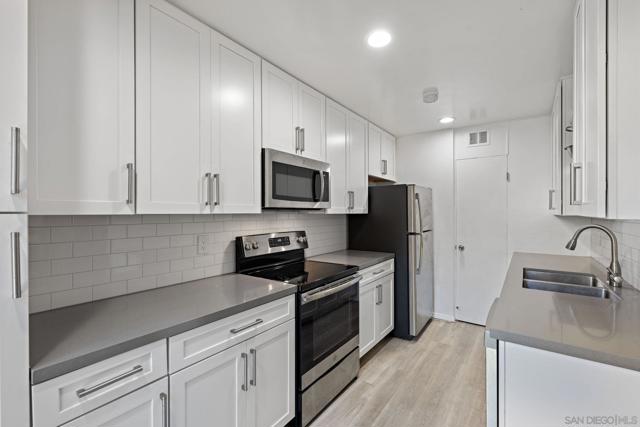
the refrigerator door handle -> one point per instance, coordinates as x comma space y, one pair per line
419, 267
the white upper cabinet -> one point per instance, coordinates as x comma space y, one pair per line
347, 155
337, 133
555, 190
382, 153
173, 117
13, 106
623, 108
236, 128
357, 156
82, 106
293, 114
388, 156
588, 171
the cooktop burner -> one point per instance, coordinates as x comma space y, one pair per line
306, 275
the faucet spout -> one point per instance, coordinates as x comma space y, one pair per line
615, 271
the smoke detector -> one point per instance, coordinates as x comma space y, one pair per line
430, 95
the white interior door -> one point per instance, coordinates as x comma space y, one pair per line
142, 408
481, 214
236, 127
337, 124
357, 164
279, 109
13, 103
14, 322
173, 115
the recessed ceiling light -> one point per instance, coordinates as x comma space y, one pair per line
446, 120
379, 38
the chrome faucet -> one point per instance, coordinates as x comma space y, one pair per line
615, 272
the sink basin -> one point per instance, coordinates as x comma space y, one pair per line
579, 279
565, 282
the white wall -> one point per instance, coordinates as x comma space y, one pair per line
77, 259
531, 227
427, 159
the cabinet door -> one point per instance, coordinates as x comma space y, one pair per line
357, 164
623, 109
556, 152
311, 104
13, 105
14, 321
384, 307
279, 109
337, 128
236, 128
367, 308
590, 59
388, 156
82, 106
212, 392
272, 376
173, 84
146, 407
375, 139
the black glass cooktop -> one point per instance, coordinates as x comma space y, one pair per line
306, 274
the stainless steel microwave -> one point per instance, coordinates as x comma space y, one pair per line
294, 182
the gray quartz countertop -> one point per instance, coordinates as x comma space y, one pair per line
70, 338
363, 259
602, 330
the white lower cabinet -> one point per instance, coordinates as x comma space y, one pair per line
376, 305
146, 407
542, 388
248, 385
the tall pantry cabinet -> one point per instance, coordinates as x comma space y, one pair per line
14, 292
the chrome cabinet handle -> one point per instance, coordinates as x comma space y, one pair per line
165, 409
253, 380
573, 200
551, 193
302, 145
15, 265
375, 273
351, 199
245, 327
379, 296
216, 177
569, 128
297, 138
460, 248
246, 371
207, 177
130, 183
383, 167
87, 391
15, 160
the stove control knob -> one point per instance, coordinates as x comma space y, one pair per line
255, 245
247, 246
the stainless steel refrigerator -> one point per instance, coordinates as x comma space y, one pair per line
400, 220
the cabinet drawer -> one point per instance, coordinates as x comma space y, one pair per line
200, 343
376, 271
71, 395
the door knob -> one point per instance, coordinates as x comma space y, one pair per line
461, 248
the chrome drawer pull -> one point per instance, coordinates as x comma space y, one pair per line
250, 325
378, 272
87, 391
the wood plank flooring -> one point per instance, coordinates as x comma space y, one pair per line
434, 381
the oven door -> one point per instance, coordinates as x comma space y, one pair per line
328, 328
294, 182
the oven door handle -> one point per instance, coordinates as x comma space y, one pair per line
328, 290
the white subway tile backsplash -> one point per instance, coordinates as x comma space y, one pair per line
83, 258
628, 234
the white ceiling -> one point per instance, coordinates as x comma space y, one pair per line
491, 59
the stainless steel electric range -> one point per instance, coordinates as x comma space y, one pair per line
327, 322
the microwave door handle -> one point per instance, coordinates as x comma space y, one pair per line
322, 189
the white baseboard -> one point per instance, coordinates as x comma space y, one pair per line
442, 316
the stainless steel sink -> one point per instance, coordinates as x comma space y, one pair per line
565, 282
